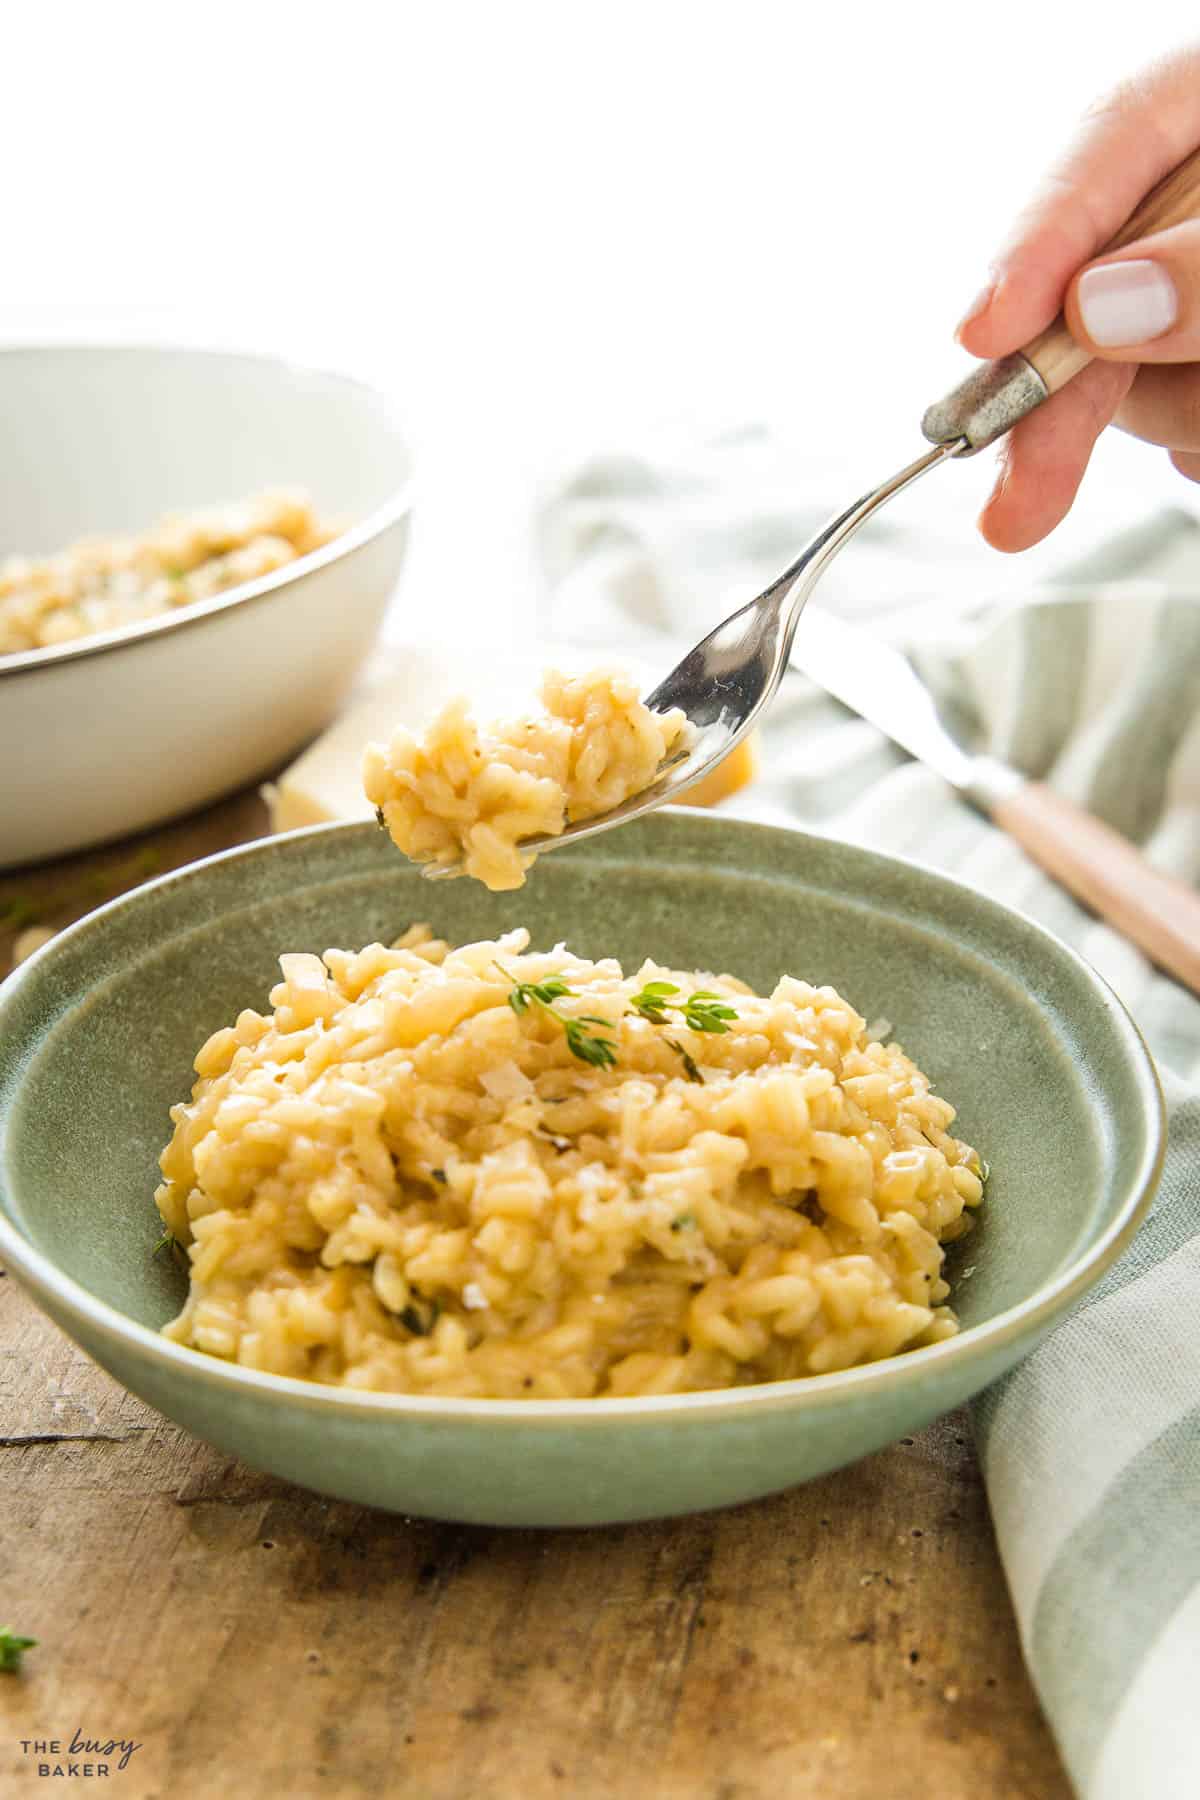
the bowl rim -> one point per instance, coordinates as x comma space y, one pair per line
387, 514
973, 1345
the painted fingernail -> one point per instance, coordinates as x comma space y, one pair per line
977, 308
1127, 303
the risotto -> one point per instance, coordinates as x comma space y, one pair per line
470, 797
101, 583
485, 1171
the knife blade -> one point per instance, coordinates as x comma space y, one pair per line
878, 682
1157, 912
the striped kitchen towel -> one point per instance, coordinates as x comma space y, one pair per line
1091, 1449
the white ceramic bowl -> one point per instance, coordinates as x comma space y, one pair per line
112, 733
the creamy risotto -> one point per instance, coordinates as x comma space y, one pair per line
470, 797
105, 582
484, 1171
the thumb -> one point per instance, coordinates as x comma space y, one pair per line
1141, 303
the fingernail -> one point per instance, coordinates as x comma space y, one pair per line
1127, 303
977, 308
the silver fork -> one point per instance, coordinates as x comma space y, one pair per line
724, 684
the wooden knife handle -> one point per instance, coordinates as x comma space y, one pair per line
1156, 912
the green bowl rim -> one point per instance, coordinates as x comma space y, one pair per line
46, 1281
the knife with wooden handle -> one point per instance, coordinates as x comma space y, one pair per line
1104, 870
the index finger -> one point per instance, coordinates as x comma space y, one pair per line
1129, 140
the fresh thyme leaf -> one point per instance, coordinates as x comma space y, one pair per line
589, 1046
701, 1011
690, 1066
380, 819
524, 994
685, 1222
653, 1000
12, 1648
439, 1175
706, 1011
416, 1322
168, 1241
544, 993
655, 1014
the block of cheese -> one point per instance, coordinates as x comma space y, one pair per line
325, 781
737, 771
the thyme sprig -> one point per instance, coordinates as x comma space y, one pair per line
589, 1046
416, 1322
690, 1066
12, 1648
702, 1010
168, 1241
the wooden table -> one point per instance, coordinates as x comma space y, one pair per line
850, 1639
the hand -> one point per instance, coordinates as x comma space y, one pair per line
1137, 310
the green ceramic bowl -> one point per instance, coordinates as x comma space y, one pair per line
1052, 1083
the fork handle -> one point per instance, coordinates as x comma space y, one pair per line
1156, 912
996, 395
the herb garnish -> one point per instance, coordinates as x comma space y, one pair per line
380, 818
525, 993
12, 1648
588, 1046
168, 1241
690, 1067
416, 1322
685, 1222
702, 1011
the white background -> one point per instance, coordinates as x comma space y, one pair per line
551, 226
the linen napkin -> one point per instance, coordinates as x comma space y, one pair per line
1091, 1449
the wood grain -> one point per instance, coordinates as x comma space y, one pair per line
850, 1639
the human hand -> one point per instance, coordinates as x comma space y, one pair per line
1135, 310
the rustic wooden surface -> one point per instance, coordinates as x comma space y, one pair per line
850, 1639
